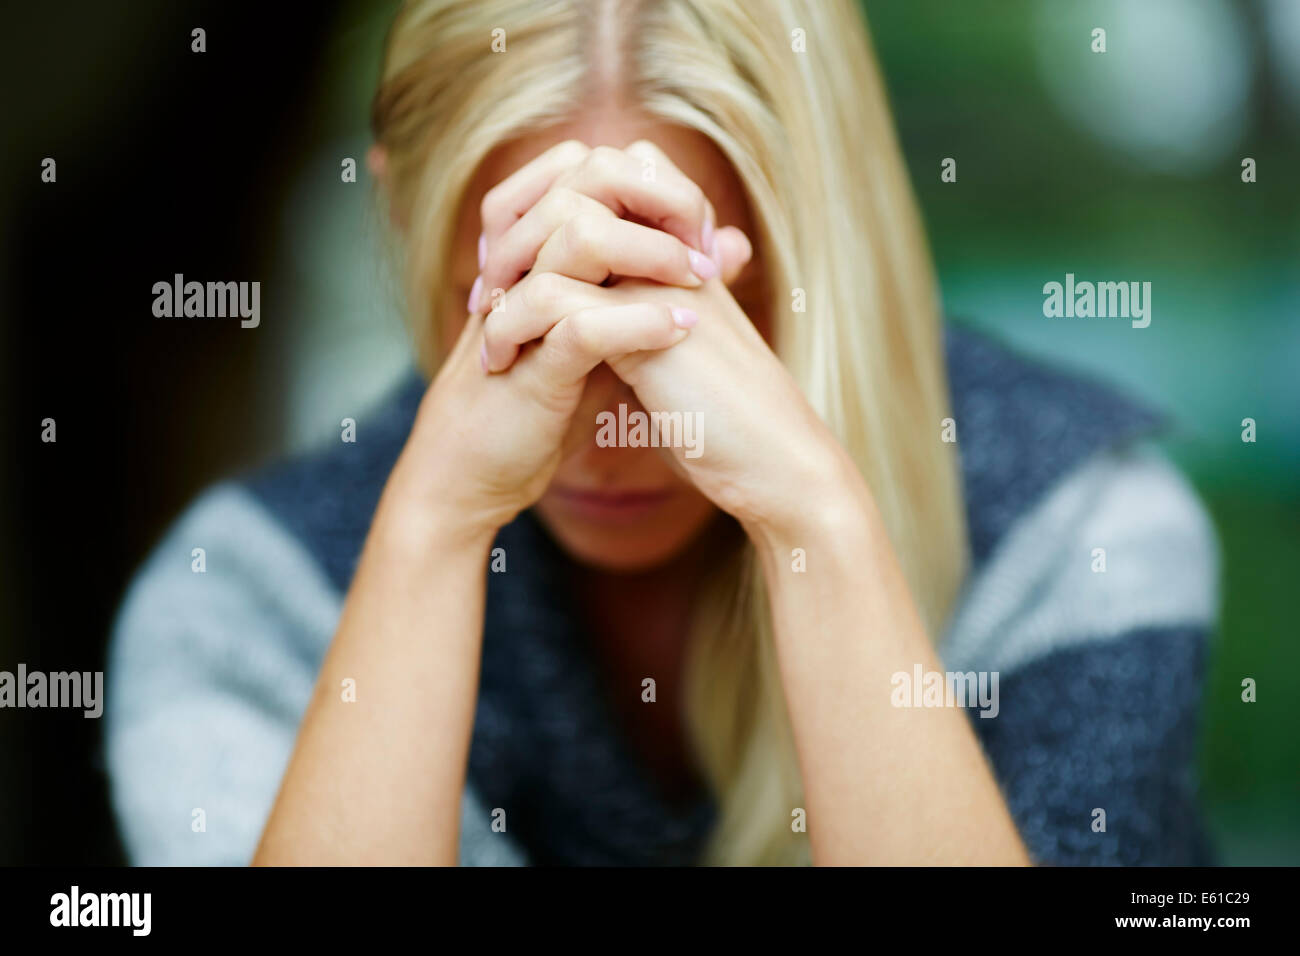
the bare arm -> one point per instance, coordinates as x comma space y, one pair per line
883, 784
379, 780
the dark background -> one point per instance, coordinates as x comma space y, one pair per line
168, 161
224, 165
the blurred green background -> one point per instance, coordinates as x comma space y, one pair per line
1123, 165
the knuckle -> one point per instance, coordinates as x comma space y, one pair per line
489, 206
573, 150
583, 333
603, 161
544, 293
579, 235
563, 202
643, 147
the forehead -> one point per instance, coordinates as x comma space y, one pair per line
691, 151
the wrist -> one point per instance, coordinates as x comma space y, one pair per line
832, 503
422, 534
415, 522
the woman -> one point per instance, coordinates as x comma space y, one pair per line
495, 629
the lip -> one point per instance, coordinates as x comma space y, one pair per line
611, 504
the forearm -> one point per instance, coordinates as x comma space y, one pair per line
379, 779
882, 784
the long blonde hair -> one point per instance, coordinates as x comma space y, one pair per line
790, 93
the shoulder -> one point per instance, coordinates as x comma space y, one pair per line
212, 659
1120, 544
214, 656
1092, 612
1079, 530
268, 553
326, 497
224, 582
1022, 426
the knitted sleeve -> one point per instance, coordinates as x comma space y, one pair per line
213, 660
1094, 611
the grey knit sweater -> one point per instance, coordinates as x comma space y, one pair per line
1100, 673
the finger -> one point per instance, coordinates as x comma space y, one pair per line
582, 340
594, 247
734, 250
583, 239
657, 194
514, 253
642, 181
530, 310
649, 153
511, 198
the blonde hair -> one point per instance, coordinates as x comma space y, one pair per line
790, 93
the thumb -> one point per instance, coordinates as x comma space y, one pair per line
734, 251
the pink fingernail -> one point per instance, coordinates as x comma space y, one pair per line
685, 318
474, 294
482, 250
702, 265
706, 235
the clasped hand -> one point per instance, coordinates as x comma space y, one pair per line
585, 260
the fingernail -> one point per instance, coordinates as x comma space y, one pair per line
702, 265
715, 254
685, 318
482, 356
706, 235
482, 250
474, 294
